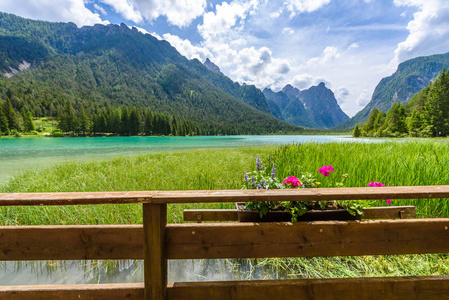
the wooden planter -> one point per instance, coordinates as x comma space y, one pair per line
285, 216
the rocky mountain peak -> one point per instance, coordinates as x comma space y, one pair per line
213, 67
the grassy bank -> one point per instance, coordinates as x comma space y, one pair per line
403, 163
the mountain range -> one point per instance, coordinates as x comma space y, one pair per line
46, 64
410, 77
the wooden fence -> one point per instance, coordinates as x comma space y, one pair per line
156, 241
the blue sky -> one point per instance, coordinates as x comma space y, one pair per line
350, 45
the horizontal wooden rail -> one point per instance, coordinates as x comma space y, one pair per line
391, 288
391, 212
307, 239
228, 240
162, 197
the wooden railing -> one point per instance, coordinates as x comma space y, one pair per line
156, 241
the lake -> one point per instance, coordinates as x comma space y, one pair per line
18, 154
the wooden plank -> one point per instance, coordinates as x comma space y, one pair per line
129, 291
391, 288
71, 242
307, 239
199, 215
391, 212
81, 198
320, 194
155, 257
395, 192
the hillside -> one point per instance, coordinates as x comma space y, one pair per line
410, 77
99, 68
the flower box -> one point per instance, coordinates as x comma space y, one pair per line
285, 216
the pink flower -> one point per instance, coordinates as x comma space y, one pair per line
293, 181
378, 184
325, 170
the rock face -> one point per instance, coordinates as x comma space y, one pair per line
213, 67
410, 77
315, 107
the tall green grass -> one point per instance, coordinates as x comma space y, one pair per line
189, 170
392, 163
410, 163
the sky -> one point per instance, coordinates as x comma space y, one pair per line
350, 45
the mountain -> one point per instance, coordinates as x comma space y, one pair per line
103, 67
315, 107
213, 67
410, 77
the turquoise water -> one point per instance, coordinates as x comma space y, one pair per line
18, 154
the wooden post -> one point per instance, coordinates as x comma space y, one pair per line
155, 258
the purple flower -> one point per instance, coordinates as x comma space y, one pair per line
258, 163
273, 172
245, 177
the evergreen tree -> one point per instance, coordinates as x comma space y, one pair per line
356, 132
135, 123
28, 124
84, 122
10, 114
68, 120
4, 128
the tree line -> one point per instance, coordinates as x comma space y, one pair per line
425, 115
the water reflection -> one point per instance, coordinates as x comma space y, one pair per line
131, 271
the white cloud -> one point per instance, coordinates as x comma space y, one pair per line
57, 11
300, 6
178, 12
341, 94
288, 30
428, 31
329, 54
364, 98
186, 48
304, 81
100, 9
224, 18
126, 9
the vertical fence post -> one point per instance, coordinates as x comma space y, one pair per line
155, 259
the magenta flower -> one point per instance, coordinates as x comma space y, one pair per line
378, 184
293, 181
325, 170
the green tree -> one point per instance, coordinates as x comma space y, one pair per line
68, 120
356, 132
28, 124
10, 114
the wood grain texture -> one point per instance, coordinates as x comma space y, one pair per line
390, 212
391, 288
307, 239
155, 256
71, 242
395, 192
129, 291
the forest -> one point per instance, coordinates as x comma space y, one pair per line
425, 115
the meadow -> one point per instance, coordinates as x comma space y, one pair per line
407, 162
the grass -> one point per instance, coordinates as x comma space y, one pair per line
393, 163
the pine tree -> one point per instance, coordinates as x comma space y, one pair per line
4, 128
10, 114
356, 132
28, 124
